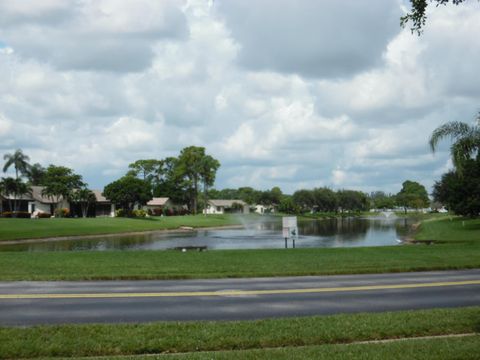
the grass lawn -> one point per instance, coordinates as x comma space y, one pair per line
11, 229
466, 348
263, 335
98, 265
449, 230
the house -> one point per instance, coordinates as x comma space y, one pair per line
218, 206
264, 209
32, 202
36, 202
158, 204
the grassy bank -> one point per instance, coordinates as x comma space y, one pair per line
96, 265
12, 229
465, 348
170, 337
449, 230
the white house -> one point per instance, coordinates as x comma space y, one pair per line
264, 209
218, 206
159, 203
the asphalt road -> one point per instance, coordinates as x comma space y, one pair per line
30, 303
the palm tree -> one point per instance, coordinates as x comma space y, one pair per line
465, 138
19, 161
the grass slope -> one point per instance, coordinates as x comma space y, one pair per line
466, 348
12, 229
234, 263
168, 337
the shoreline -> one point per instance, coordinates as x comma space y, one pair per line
182, 229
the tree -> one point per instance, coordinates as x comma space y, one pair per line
465, 138
60, 182
303, 199
351, 200
11, 187
325, 199
412, 195
208, 170
460, 193
35, 174
128, 191
146, 169
84, 197
19, 161
188, 172
418, 16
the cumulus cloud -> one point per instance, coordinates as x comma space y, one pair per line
291, 94
312, 38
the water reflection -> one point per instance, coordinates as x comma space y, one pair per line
344, 232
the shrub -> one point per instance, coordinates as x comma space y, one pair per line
157, 212
16, 214
61, 213
120, 213
139, 213
43, 215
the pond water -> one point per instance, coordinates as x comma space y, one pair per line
265, 233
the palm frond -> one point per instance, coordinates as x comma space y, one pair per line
455, 130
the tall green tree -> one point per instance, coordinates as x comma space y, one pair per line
208, 171
147, 170
461, 194
465, 141
418, 13
35, 175
128, 191
18, 160
85, 198
412, 195
188, 171
60, 182
16, 188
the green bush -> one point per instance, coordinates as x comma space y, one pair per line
44, 215
139, 213
16, 214
62, 212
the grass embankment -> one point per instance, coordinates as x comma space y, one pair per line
104, 265
459, 249
449, 230
170, 337
12, 229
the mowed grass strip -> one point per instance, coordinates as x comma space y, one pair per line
14, 229
172, 337
108, 265
466, 348
449, 230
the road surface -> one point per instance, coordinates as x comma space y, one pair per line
31, 303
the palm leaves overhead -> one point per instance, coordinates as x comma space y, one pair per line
465, 140
19, 161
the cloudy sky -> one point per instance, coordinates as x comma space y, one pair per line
296, 94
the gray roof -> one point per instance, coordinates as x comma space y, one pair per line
226, 203
158, 201
99, 196
36, 194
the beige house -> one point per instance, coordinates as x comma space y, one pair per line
33, 202
159, 203
218, 206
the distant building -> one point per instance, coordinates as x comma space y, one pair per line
218, 206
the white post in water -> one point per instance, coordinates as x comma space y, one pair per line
290, 229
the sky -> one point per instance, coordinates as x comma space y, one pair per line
296, 94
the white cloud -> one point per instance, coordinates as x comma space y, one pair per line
295, 97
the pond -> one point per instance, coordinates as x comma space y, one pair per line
265, 233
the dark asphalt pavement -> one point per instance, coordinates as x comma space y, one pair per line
184, 300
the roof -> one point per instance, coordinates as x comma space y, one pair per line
99, 196
226, 203
35, 194
158, 201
